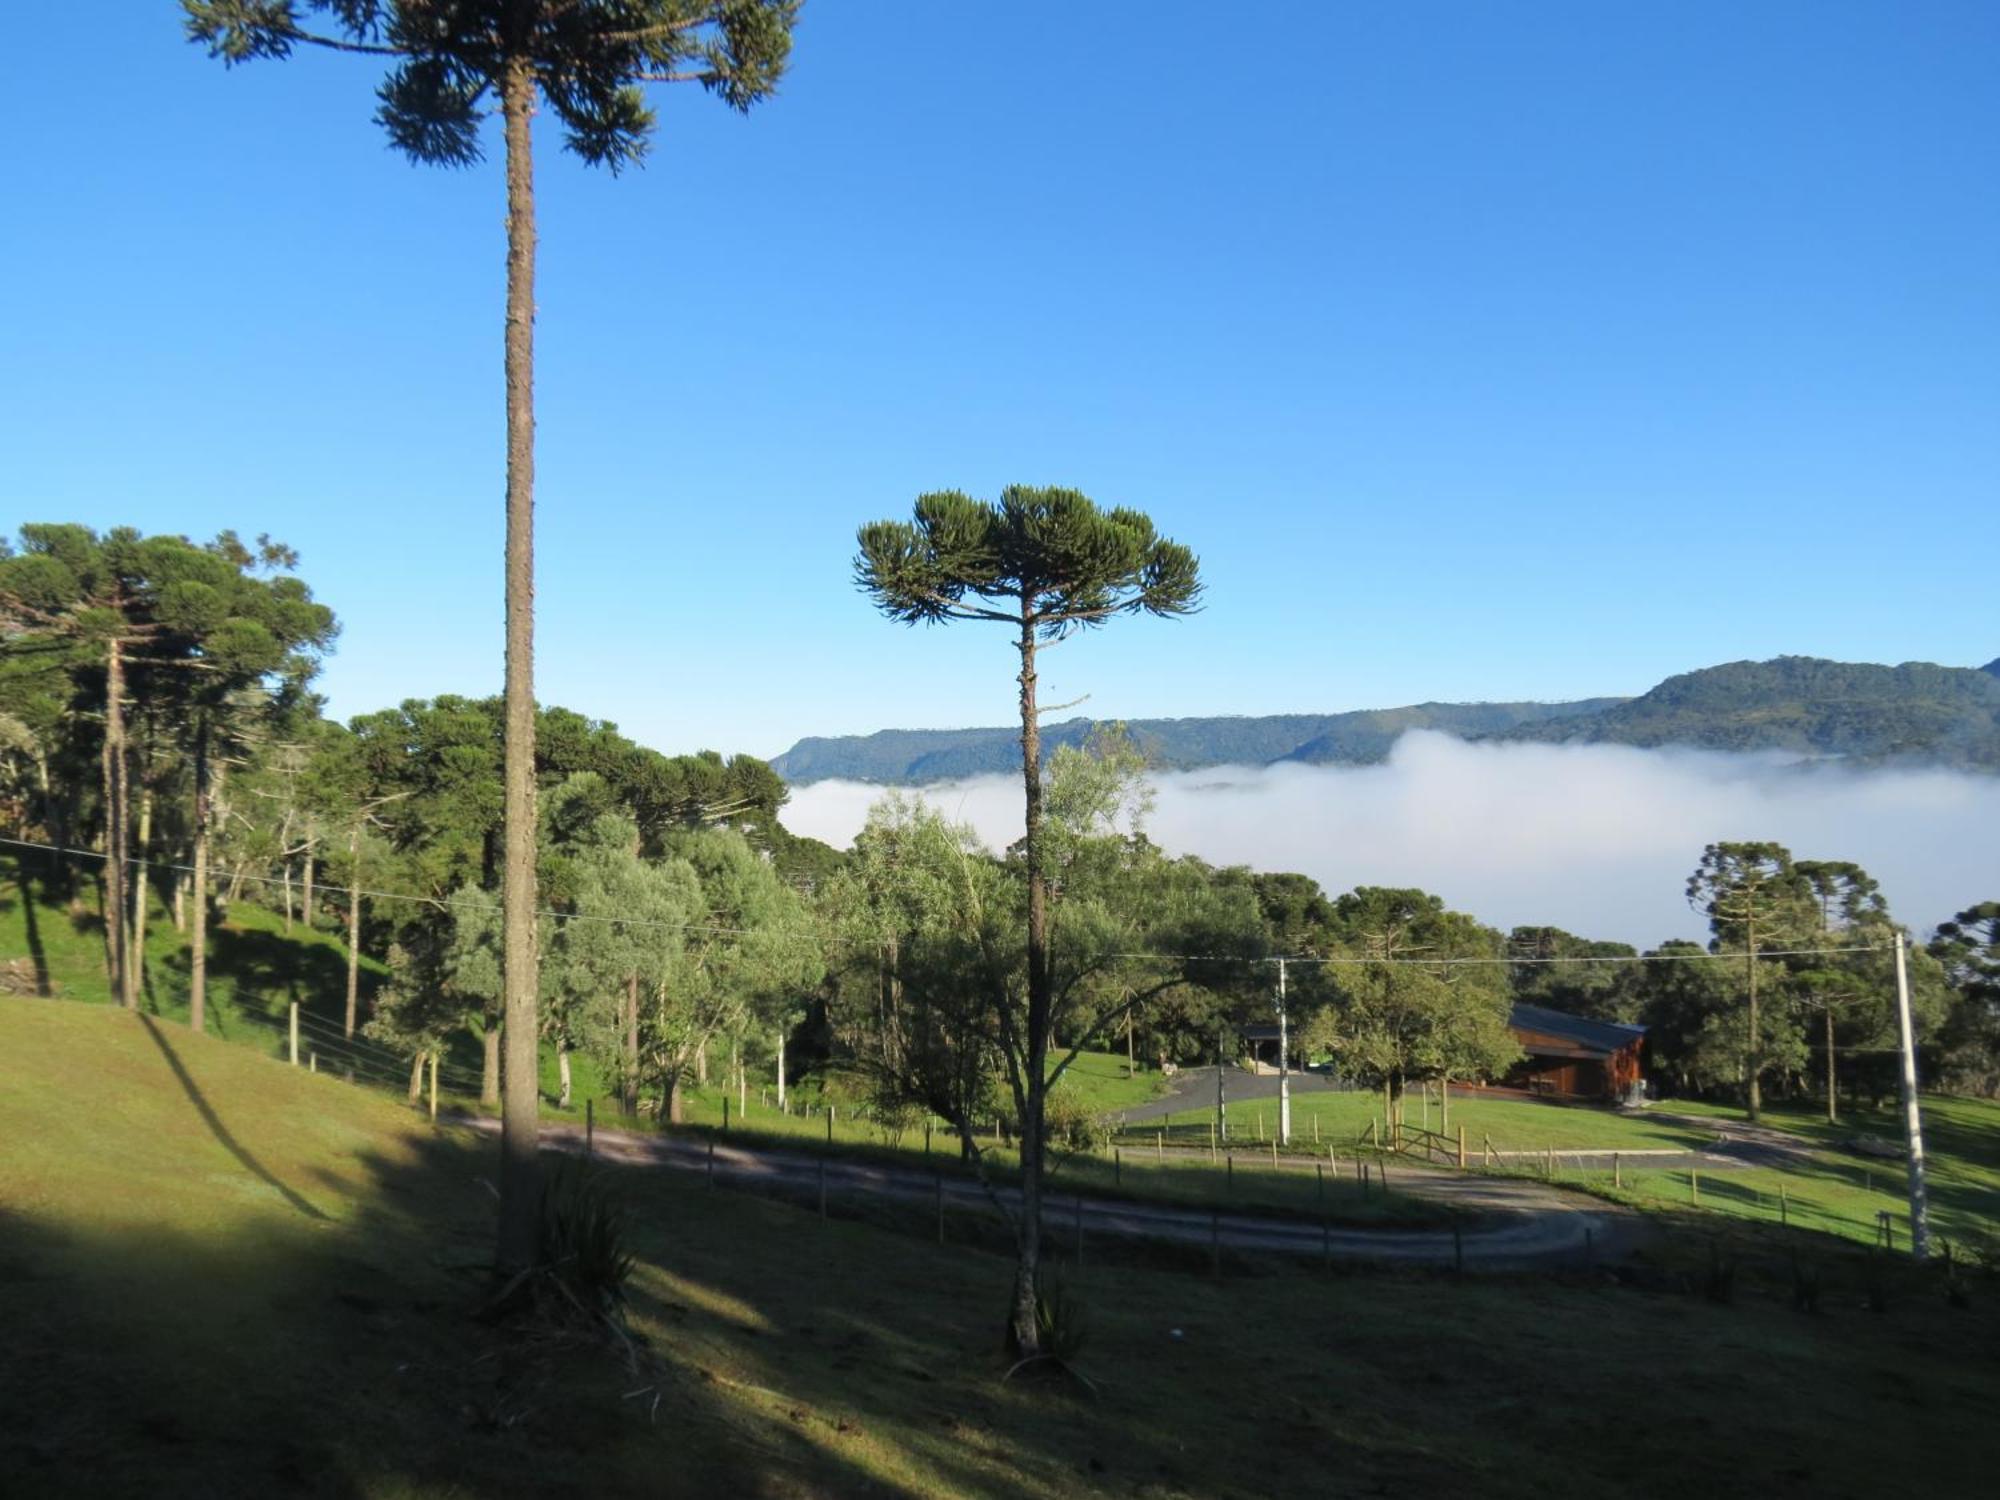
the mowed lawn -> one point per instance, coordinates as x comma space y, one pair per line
1846, 1192
228, 1277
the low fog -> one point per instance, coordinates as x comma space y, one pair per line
1598, 839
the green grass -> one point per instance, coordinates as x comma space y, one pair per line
1839, 1191
256, 968
229, 1278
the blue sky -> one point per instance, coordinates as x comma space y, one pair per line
1481, 350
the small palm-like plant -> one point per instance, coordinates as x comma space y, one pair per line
585, 1260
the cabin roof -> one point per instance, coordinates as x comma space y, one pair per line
1598, 1037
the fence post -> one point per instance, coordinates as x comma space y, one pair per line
1117, 1166
829, 1124
313, 1059
295, 1033
1160, 1144
1461, 1148
927, 1135
589, 1127
1694, 1186
1784, 1208
725, 1111
1211, 1143
1549, 1169
1373, 1139
434, 1086
1489, 1148
1229, 1173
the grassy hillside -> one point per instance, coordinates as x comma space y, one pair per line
52, 942
226, 1277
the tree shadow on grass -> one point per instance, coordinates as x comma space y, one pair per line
214, 1123
31, 928
265, 1354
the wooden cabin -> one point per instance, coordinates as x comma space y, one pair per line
1574, 1057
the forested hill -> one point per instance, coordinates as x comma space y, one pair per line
1358, 738
1916, 713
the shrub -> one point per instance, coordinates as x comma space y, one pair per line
585, 1260
1060, 1316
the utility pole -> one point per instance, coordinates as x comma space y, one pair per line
1913, 1126
1284, 1066
1221, 1101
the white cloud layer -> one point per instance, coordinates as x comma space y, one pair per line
1598, 839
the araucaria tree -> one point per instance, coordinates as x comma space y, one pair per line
1044, 563
1754, 900
449, 62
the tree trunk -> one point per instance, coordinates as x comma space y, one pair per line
629, 1096
1832, 1110
285, 866
198, 925
701, 1062
306, 876
1024, 1330
1754, 1063
562, 1072
520, 1230
489, 1073
114, 824
353, 927
137, 926
180, 882
416, 1078
781, 1066
676, 1106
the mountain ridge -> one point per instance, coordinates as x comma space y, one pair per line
1813, 707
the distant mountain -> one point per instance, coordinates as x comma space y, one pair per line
915, 756
1916, 713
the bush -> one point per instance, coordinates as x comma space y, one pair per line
1060, 1316
1067, 1125
585, 1261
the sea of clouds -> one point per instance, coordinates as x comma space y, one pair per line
1598, 839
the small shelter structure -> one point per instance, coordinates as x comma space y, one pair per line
1575, 1057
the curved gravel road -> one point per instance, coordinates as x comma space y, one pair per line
1521, 1224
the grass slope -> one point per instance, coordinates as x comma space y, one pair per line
227, 1277
54, 945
